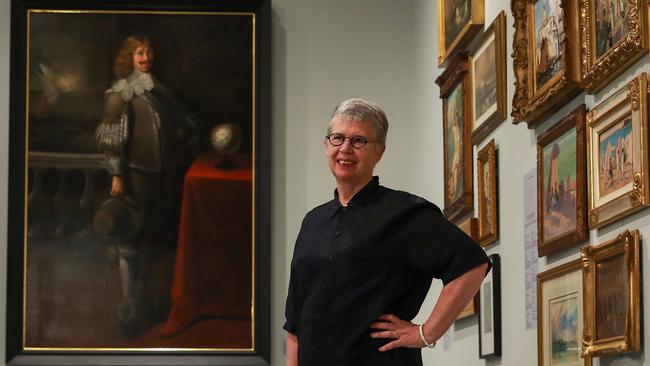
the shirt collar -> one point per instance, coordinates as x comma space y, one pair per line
359, 199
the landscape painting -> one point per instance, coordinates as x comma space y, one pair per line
559, 194
612, 23
455, 140
563, 326
615, 167
485, 83
549, 40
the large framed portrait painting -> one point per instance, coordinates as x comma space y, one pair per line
139, 183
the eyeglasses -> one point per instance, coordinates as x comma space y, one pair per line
337, 139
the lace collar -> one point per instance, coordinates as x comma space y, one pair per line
135, 84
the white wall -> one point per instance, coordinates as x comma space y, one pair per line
384, 50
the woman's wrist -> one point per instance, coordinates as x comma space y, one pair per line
424, 338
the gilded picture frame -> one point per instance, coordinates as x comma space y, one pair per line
457, 146
609, 49
458, 23
562, 184
83, 286
560, 316
488, 71
546, 56
487, 196
470, 227
489, 318
612, 296
617, 145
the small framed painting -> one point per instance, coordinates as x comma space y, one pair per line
489, 324
458, 22
488, 213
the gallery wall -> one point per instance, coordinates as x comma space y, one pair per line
384, 50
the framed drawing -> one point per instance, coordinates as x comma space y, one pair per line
489, 317
470, 227
611, 275
113, 104
560, 316
617, 146
562, 184
457, 146
546, 58
458, 22
488, 200
487, 64
614, 35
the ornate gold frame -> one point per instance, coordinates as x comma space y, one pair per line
466, 34
597, 72
497, 33
530, 104
457, 73
631, 99
545, 280
575, 120
470, 227
628, 244
487, 155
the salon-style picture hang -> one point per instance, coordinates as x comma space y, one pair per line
562, 184
546, 58
617, 148
457, 147
458, 22
614, 34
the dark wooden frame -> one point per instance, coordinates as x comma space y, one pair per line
260, 353
498, 30
550, 275
530, 104
488, 154
456, 73
627, 243
575, 119
495, 273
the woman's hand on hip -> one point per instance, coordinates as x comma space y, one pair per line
403, 333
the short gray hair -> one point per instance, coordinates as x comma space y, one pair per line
361, 110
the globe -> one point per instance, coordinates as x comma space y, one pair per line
225, 138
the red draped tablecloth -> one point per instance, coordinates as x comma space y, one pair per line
212, 275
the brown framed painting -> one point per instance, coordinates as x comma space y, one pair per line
614, 34
562, 184
487, 65
114, 106
488, 200
546, 58
470, 227
617, 145
560, 316
612, 293
458, 22
457, 147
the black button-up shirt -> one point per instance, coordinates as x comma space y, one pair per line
351, 264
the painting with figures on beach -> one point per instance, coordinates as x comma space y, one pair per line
612, 23
615, 165
457, 14
549, 39
563, 326
455, 140
559, 193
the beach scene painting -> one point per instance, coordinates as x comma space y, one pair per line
455, 148
549, 39
564, 333
559, 194
615, 165
612, 23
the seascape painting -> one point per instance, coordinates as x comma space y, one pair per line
612, 23
485, 83
615, 166
563, 329
455, 148
549, 39
559, 193
457, 14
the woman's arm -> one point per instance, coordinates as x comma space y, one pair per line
292, 349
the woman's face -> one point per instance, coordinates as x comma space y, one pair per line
349, 164
142, 59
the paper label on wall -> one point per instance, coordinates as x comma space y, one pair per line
530, 245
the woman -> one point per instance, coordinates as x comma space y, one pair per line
364, 261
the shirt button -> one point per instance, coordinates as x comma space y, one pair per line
313, 348
338, 233
330, 257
